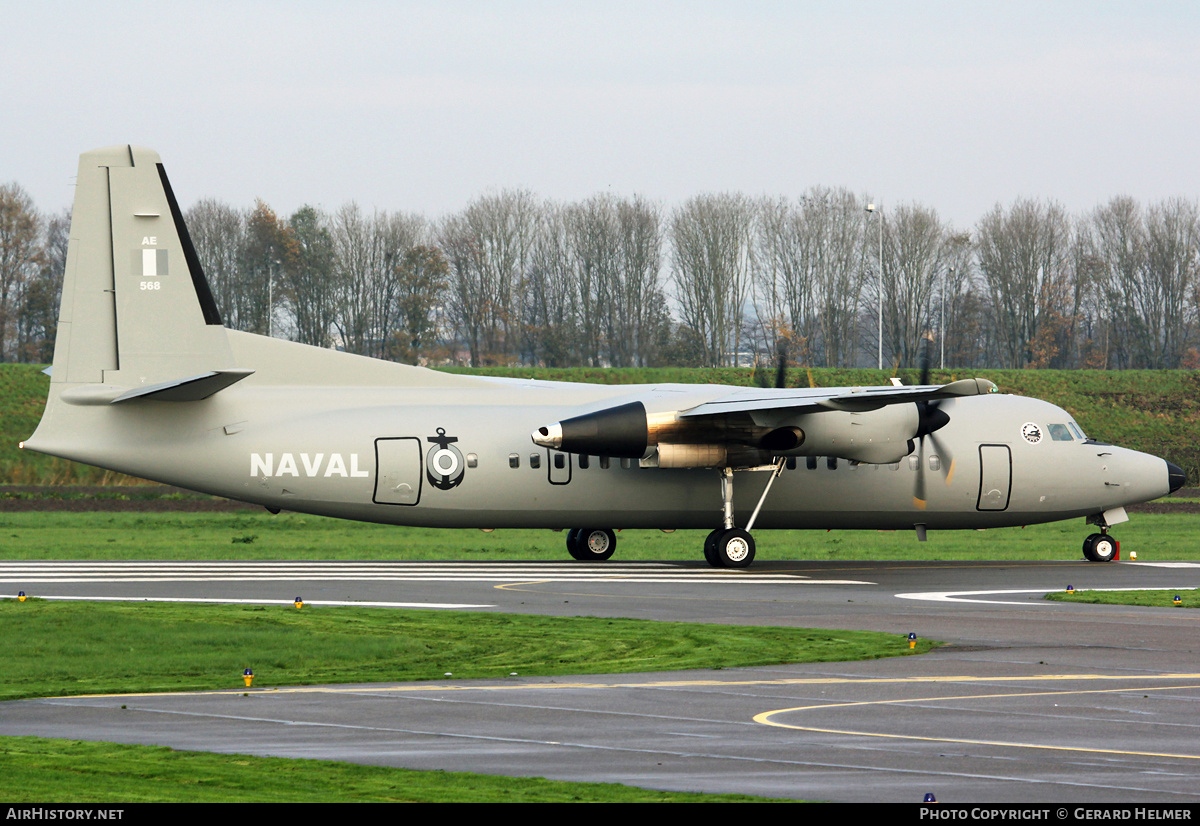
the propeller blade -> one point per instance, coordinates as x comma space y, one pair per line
946, 457
926, 357
781, 369
919, 500
757, 378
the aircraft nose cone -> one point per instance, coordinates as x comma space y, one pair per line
1175, 476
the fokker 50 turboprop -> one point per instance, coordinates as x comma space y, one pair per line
147, 381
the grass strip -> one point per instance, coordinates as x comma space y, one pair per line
1144, 599
245, 535
60, 648
36, 770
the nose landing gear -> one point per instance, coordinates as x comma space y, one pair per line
1100, 547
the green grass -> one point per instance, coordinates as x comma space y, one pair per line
58, 648
258, 535
37, 770
1144, 599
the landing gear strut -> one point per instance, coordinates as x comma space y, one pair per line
587, 544
1100, 547
729, 546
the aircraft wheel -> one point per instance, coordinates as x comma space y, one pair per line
1100, 547
710, 548
591, 543
734, 548
573, 542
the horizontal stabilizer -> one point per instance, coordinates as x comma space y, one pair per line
191, 389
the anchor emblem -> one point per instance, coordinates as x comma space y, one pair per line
444, 465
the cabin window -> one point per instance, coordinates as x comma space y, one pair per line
514, 460
831, 462
811, 463
560, 461
472, 460
935, 463
583, 461
535, 460
626, 463
1059, 433
604, 462
791, 463
914, 463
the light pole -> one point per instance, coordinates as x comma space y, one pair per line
879, 221
942, 320
271, 298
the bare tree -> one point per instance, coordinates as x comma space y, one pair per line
638, 321
308, 279
913, 241
551, 294
488, 247
1024, 259
422, 275
1170, 278
711, 263
267, 247
20, 258
218, 232
37, 322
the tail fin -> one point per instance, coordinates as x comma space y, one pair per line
136, 310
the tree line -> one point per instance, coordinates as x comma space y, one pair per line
723, 278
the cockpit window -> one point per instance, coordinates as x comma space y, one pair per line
1060, 433
1078, 433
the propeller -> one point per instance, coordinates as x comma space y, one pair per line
760, 377
930, 418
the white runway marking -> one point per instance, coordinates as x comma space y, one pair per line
322, 602
962, 596
123, 571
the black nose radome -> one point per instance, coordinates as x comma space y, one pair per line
1175, 476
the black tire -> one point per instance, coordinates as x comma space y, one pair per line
573, 543
734, 548
1087, 548
1100, 547
593, 544
710, 548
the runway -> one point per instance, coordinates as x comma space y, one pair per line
1030, 701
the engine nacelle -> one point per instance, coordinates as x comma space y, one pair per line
875, 437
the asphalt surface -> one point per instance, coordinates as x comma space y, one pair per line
1029, 701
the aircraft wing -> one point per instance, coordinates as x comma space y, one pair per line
854, 400
748, 426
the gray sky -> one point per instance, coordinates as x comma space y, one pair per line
421, 106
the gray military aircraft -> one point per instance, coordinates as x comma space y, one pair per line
147, 381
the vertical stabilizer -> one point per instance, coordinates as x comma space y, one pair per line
136, 309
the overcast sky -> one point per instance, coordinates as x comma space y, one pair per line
421, 106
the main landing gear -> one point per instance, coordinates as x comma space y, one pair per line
587, 544
1100, 547
729, 546
726, 547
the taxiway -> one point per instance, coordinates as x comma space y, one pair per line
1029, 700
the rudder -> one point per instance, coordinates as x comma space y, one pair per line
136, 309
